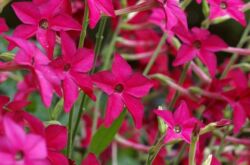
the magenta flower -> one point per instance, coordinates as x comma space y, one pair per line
3, 25
123, 87
31, 58
174, 15
233, 8
180, 123
56, 139
90, 160
97, 8
17, 147
199, 42
44, 21
72, 68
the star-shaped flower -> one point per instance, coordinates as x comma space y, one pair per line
199, 43
233, 8
44, 21
17, 147
72, 68
123, 87
180, 123
97, 8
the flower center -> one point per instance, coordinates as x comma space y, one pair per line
19, 156
197, 44
177, 129
32, 60
119, 88
223, 5
44, 24
66, 67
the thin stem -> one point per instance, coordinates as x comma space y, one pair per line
84, 26
99, 38
193, 146
181, 152
181, 81
131, 144
136, 8
80, 112
235, 56
110, 49
155, 55
114, 154
70, 140
155, 150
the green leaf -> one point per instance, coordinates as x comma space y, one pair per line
7, 56
104, 136
208, 160
57, 110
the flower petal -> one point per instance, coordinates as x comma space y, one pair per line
27, 12
138, 85
120, 68
83, 60
167, 116
209, 59
68, 46
47, 39
182, 113
114, 108
14, 133
35, 147
105, 80
64, 22
23, 31
135, 108
56, 137
185, 54
70, 93
239, 116
85, 83
214, 43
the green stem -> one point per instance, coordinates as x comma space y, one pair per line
235, 56
110, 50
192, 150
70, 140
193, 145
178, 158
99, 37
181, 81
80, 112
84, 26
155, 54
155, 150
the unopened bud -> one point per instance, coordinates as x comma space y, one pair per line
162, 125
223, 123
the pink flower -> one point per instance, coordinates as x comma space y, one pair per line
17, 147
56, 138
44, 21
72, 68
3, 25
25, 87
180, 123
123, 87
97, 8
31, 58
90, 160
199, 42
233, 8
174, 15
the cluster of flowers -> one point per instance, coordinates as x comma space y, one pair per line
204, 95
